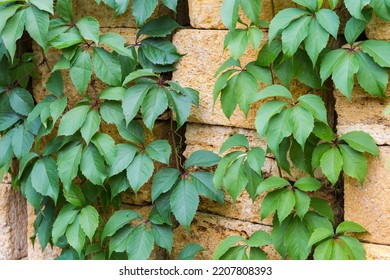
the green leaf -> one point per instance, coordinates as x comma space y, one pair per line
189, 251
138, 74
257, 254
37, 25
262, 74
118, 242
142, 10
238, 42
44, 5
297, 239
222, 167
258, 239
184, 202
139, 171
225, 245
112, 113
132, 100
285, 204
90, 126
89, 29
112, 93
6, 152
256, 159
21, 101
81, 71
308, 184
302, 123
315, 105
268, 53
322, 207
255, 36
236, 253
333, 3
228, 97
274, 91
22, 141
331, 164
371, 77
265, 113
381, 9
117, 221
329, 20
316, 40
361, 141
170, 4
163, 181
294, 35
159, 51
6, 13
92, 165
355, 7
163, 236
159, 27
354, 248
202, 158
107, 67
133, 132
229, 13
89, 220
106, 146
270, 203
64, 9
324, 250
279, 128
237, 140
273, 183
68, 163
344, 72
74, 195
310, 4
203, 182
302, 203
354, 163
283, 19
66, 217
12, 32
319, 234
73, 120
318, 153
181, 104
354, 28
329, 61
348, 226
125, 154
236, 178
378, 50
159, 150
44, 178
323, 131
118, 184
154, 104
251, 9
245, 90
64, 40
117, 43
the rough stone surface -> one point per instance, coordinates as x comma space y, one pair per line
369, 206
205, 14
378, 29
35, 251
209, 230
13, 222
364, 113
106, 16
204, 55
377, 252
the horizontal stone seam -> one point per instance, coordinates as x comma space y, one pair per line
234, 219
374, 243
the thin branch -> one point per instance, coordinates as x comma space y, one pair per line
27, 75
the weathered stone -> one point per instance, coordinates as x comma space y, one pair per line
206, 14
365, 113
378, 29
106, 16
13, 223
35, 251
204, 55
377, 252
369, 205
209, 230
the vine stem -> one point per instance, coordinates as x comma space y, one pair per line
174, 144
45, 59
28, 74
273, 8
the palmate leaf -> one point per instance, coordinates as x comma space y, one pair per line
354, 163
343, 73
117, 221
107, 67
89, 29
37, 25
89, 221
68, 163
163, 181
361, 141
139, 171
331, 164
264, 115
316, 40
12, 32
81, 71
236, 178
302, 124
92, 165
159, 150
125, 154
154, 104
237, 42
44, 178
297, 239
294, 35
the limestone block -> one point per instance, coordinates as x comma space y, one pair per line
369, 205
204, 55
377, 252
363, 113
13, 223
106, 16
209, 230
205, 14
35, 251
378, 29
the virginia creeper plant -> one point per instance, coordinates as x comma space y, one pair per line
74, 173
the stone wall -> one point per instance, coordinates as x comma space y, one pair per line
202, 44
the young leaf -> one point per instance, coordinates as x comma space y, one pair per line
73, 120
159, 150
202, 158
44, 178
142, 10
265, 113
225, 245
331, 164
163, 181
89, 220
361, 141
294, 34
89, 29
154, 104
117, 221
125, 154
184, 202
81, 71
139, 171
68, 163
107, 67
354, 163
140, 243
66, 217
344, 72
189, 251
229, 13
348, 226
92, 165
297, 239
90, 126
